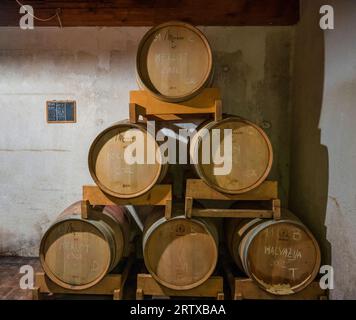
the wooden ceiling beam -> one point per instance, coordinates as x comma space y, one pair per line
148, 13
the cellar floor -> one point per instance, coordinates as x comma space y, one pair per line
10, 281
10, 277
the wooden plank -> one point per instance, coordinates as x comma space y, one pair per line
106, 286
169, 117
276, 207
168, 209
197, 189
202, 103
188, 207
218, 110
148, 13
139, 294
220, 296
111, 284
36, 295
117, 294
132, 113
206, 103
85, 208
158, 195
246, 288
210, 288
232, 213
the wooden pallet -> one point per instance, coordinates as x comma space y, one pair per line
159, 195
147, 286
246, 288
243, 288
197, 189
143, 104
112, 284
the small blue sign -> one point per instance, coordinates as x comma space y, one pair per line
61, 111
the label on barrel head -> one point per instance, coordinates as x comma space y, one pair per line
283, 257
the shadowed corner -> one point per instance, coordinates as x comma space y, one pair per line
309, 171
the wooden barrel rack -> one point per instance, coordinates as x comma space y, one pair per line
112, 284
197, 189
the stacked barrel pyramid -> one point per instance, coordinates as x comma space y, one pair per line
281, 256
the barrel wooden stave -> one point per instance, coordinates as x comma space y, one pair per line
77, 253
110, 170
282, 256
174, 61
252, 155
180, 253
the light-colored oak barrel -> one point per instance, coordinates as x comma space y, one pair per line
251, 152
111, 171
77, 253
180, 253
282, 256
174, 61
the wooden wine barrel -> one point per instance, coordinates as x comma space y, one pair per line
109, 168
180, 253
282, 256
77, 253
252, 155
174, 62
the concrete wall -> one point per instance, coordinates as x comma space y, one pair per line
338, 130
309, 158
42, 166
323, 160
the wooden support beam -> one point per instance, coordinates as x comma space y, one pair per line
232, 213
146, 285
245, 288
107, 286
158, 196
198, 189
148, 13
207, 103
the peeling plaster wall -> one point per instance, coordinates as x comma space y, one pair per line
42, 166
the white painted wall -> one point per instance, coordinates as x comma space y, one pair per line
338, 133
43, 166
309, 158
323, 161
